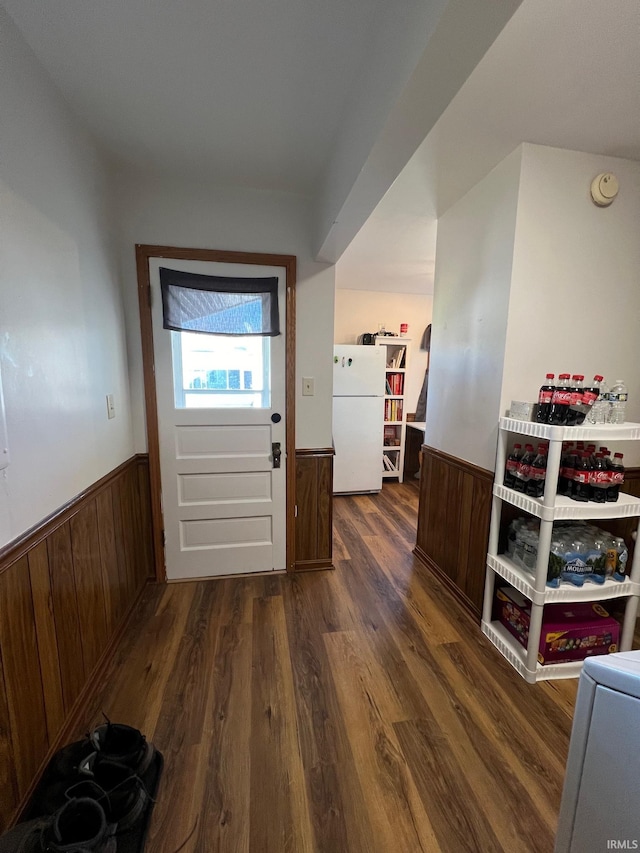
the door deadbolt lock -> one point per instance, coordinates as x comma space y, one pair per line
276, 453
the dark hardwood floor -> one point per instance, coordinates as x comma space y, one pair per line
354, 711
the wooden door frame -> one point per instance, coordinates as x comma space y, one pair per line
144, 253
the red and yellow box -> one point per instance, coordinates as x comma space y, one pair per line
570, 632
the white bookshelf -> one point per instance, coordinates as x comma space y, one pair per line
395, 410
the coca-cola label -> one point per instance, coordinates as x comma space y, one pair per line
600, 478
545, 396
537, 473
523, 471
562, 398
511, 465
567, 473
616, 477
581, 476
576, 398
589, 398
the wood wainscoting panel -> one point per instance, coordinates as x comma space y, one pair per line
21, 667
65, 611
67, 588
115, 602
314, 502
47, 640
87, 571
453, 523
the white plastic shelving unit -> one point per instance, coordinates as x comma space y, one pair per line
397, 351
552, 507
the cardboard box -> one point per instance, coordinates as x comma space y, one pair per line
570, 632
521, 410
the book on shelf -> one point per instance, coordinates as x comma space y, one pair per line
397, 358
395, 383
388, 463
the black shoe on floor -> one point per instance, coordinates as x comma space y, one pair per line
121, 792
80, 826
114, 741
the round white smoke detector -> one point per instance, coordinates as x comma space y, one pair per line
604, 188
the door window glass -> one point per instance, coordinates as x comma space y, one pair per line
214, 371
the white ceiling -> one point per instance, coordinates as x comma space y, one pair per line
242, 92
565, 74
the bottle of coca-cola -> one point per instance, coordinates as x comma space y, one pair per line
524, 466
616, 478
538, 473
512, 466
560, 401
599, 480
576, 415
591, 392
560, 489
569, 472
545, 395
581, 477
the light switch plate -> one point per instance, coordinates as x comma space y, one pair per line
111, 407
307, 386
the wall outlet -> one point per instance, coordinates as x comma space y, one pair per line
307, 386
111, 407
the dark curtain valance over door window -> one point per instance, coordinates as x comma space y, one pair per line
219, 305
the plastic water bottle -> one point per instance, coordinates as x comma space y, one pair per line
618, 402
599, 411
621, 562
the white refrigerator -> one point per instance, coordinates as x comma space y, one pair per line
358, 417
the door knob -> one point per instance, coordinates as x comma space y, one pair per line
276, 453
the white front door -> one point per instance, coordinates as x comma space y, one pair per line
221, 408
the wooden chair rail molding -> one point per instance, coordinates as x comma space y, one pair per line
67, 588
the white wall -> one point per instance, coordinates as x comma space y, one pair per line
581, 263
359, 311
63, 346
474, 254
575, 291
549, 284
157, 211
